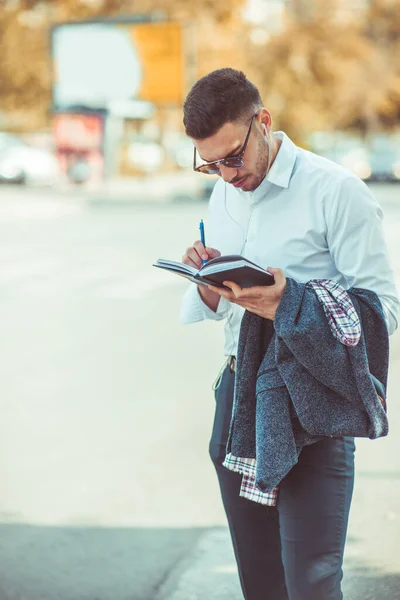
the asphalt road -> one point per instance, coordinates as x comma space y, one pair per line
106, 407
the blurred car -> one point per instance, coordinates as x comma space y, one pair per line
375, 159
23, 164
384, 152
344, 149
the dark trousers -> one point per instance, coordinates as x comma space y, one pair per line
293, 551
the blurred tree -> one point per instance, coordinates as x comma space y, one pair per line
325, 71
25, 74
382, 28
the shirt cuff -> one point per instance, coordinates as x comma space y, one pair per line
391, 320
194, 309
208, 313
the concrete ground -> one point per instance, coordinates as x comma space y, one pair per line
106, 403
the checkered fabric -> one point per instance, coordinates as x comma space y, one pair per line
339, 310
346, 327
248, 489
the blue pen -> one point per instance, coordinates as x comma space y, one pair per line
203, 239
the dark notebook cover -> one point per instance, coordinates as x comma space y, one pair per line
247, 275
244, 276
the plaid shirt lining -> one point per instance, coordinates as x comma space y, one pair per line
346, 327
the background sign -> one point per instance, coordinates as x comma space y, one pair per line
99, 63
78, 132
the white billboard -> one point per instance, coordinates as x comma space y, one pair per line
97, 63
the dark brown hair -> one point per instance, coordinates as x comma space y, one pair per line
220, 97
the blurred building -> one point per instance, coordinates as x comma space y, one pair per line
118, 88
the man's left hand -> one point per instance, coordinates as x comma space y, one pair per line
261, 300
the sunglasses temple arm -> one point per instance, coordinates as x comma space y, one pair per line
194, 158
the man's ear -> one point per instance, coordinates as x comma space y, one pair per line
266, 119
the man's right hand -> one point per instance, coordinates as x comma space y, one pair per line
197, 253
193, 257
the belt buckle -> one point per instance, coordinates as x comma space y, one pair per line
232, 363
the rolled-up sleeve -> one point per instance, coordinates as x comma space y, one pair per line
358, 247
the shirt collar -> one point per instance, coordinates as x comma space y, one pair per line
281, 170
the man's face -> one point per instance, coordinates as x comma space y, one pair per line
228, 141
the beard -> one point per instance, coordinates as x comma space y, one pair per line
263, 150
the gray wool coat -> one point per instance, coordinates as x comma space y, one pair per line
296, 383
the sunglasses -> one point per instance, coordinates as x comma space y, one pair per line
233, 162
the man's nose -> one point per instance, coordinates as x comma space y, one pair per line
227, 173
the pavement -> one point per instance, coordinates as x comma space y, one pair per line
106, 403
179, 186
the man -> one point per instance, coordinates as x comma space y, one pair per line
277, 204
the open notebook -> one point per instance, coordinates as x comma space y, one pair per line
231, 267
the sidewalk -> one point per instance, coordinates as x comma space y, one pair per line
209, 572
162, 187
372, 560
124, 192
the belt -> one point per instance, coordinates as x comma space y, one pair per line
232, 363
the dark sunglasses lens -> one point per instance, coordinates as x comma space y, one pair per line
234, 162
209, 169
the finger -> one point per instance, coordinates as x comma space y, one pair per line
215, 289
256, 292
222, 292
200, 249
236, 289
212, 252
188, 261
250, 293
278, 275
194, 256
227, 294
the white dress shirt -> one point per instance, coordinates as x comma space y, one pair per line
309, 217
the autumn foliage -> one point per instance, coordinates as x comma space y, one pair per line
324, 69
